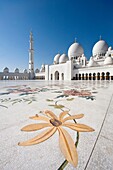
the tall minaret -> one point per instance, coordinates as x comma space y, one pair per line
31, 58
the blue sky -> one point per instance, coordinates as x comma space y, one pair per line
55, 24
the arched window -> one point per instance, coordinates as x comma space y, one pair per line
51, 76
79, 76
90, 76
83, 76
56, 75
107, 76
76, 77
82, 62
98, 76
94, 76
86, 76
103, 76
62, 76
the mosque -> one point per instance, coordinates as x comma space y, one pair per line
73, 66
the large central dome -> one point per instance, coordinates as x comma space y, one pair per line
100, 47
75, 50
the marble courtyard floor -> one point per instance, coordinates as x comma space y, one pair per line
21, 99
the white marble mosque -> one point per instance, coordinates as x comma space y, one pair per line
73, 66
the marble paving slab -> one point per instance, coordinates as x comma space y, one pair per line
21, 99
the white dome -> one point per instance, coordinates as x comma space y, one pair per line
37, 70
75, 50
100, 47
92, 63
56, 59
63, 58
16, 70
110, 48
6, 70
108, 60
25, 70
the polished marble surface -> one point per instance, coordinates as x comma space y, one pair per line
21, 99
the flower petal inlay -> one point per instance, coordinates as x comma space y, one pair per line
50, 114
40, 138
62, 114
79, 116
67, 147
54, 123
78, 127
34, 127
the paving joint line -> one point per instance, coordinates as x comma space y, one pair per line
106, 138
99, 133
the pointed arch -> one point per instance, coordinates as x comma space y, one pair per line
86, 76
51, 76
102, 76
56, 75
98, 76
94, 76
90, 76
62, 76
82, 76
76, 77
79, 76
107, 76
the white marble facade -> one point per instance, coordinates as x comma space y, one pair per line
73, 66
16, 75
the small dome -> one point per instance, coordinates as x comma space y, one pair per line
92, 63
75, 50
25, 70
63, 58
56, 59
108, 60
16, 70
6, 70
37, 70
100, 47
110, 48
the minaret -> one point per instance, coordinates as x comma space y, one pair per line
31, 58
